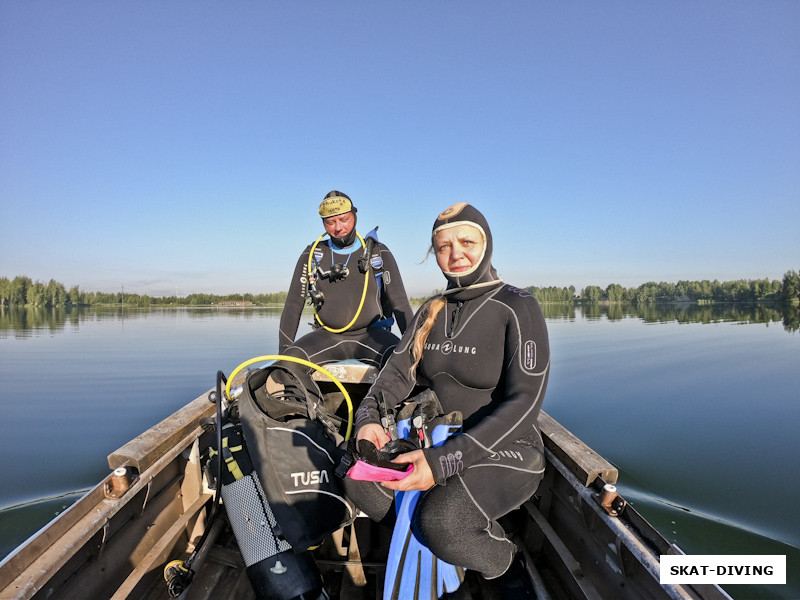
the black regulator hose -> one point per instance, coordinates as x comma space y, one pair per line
179, 574
215, 506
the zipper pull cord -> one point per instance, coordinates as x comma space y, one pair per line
455, 318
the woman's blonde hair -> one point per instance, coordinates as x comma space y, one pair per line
433, 308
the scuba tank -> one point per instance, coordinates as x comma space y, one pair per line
276, 571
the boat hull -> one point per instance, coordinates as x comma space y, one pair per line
115, 541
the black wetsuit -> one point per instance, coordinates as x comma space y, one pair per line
488, 357
367, 339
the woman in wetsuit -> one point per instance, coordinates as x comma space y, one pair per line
482, 347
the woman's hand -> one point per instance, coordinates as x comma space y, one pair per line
420, 479
373, 433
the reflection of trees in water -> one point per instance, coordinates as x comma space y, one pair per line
557, 310
791, 319
24, 322
681, 312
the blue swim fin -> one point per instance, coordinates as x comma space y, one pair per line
412, 571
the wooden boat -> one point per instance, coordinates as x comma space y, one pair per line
580, 541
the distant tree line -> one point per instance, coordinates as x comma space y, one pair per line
22, 290
553, 294
786, 291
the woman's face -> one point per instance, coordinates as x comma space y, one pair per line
458, 249
339, 225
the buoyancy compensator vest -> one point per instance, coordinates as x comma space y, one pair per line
276, 570
294, 448
279, 451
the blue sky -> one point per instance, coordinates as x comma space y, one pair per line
185, 146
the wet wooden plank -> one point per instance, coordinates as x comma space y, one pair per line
159, 552
348, 372
50, 536
586, 464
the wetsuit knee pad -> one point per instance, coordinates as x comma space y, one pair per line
445, 514
448, 521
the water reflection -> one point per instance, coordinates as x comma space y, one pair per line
22, 322
788, 316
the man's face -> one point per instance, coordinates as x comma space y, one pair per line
339, 225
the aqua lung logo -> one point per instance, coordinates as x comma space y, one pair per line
376, 261
519, 292
449, 347
310, 478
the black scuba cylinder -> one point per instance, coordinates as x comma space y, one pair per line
276, 571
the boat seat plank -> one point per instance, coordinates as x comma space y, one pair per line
159, 552
350, 371
586, 464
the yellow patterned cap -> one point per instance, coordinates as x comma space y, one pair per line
335, 204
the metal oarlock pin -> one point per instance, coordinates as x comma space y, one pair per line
121, 481
611, 501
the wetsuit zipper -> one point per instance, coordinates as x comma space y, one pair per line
455, 319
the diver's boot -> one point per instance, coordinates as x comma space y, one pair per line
515, 583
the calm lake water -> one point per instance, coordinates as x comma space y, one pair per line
697, 407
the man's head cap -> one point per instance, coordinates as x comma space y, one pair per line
335, 203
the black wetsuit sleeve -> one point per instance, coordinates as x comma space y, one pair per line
526, 367
293, 308
394, 297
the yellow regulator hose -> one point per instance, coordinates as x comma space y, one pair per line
363, 294
305, 363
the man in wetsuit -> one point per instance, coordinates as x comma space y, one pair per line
356, 289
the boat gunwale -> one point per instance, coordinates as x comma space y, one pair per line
37, 559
